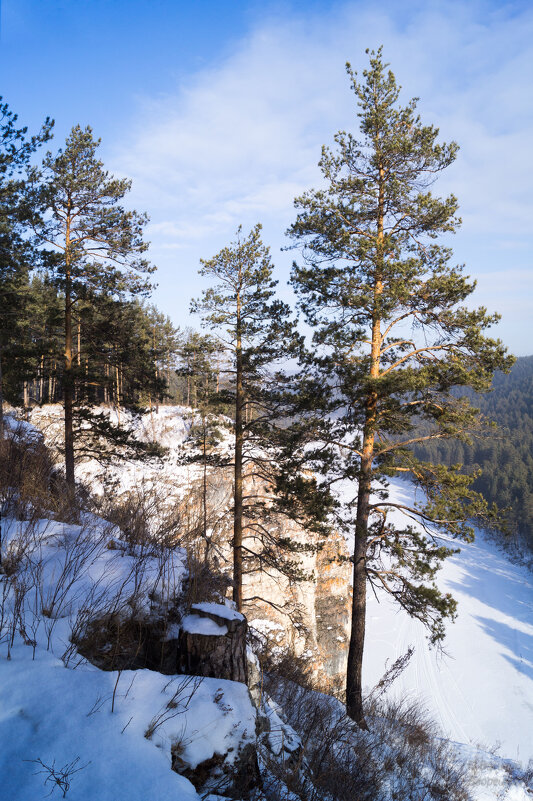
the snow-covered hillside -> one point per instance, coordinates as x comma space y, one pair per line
169, 427
115, 733
481, 688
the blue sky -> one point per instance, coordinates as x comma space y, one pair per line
217, 110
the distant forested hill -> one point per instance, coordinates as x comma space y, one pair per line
506, 458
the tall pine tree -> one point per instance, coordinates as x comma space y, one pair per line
97, 246
391, 338
16, 253
255, 330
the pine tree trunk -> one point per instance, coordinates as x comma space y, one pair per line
68, 394
238, 506
67, 376
156, 375
204, 493
194, 393
78, 361
41, 378
354, 672
117, 390
1, 400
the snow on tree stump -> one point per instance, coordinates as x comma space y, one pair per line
212, 642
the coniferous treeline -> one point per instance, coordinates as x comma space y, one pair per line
125, 353
369, 266
75, 326
504, 455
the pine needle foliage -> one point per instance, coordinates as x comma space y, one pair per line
95, 245
16, 252
392, 336
256, 331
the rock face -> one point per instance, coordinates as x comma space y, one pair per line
298, 616
236, 779
212, 642
310, 617
332, 602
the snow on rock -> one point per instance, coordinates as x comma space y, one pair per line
480, 689
220, 610
194, 624
20, 429
125, 747
281, 736
169, 426
171, 488
75, 568
214, 645
58, 716
111, 734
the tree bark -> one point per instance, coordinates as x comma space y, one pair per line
239, 435
68, 390
41, 379
67, 377
1, 400
354, 672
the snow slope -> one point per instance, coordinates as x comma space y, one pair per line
57, 715
110, 733
481, 689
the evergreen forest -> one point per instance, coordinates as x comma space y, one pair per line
504, 454
363, 402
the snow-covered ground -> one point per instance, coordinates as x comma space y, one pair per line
109, 735
57, 715
481, 689
169, 426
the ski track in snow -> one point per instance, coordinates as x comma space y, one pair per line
480, 689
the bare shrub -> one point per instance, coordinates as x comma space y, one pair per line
203, 583
147, 519
390, 676
59, 778
176, 705
138, 514
401, 756
31, 486
169, 514
111, 642
282, 663
17, 589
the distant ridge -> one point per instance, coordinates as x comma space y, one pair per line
506, 458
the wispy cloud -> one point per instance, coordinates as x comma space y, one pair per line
238, 140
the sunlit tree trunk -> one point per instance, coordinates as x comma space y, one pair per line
239, 438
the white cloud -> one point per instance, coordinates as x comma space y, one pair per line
238, 140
